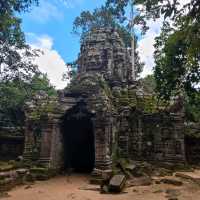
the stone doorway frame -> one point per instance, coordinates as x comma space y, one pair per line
50, 154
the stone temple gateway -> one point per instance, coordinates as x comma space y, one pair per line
102, 115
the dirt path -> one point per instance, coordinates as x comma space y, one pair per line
75, 188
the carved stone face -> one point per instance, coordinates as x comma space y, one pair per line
104, 52
94, 57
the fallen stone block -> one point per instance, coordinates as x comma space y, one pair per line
130, 167
141, 181
162, 172
22, 172
117, 183
172, 198
189, 176
89, 188
172, 194
171, 181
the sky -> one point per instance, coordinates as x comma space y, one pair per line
48, 27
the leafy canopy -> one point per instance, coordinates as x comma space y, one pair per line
15, 56
20, 79
15, 93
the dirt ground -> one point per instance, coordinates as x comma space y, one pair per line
77, 187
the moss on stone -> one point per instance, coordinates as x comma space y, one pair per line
150, 104
42, 110
40, 173
106, 88
5, 166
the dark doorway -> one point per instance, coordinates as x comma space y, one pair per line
11, 147
192, 149
78, 135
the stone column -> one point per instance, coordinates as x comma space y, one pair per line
178, 124
103, 135
57, 147
29, 141
123, 135
46, 143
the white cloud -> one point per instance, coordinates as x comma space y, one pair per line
146, 48
50, 61
46, 11
145, 45
52, 9
69, 3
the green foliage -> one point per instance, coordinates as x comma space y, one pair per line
16, 92
104, 85
13, 49
153, 9
192, 108
39, 114
119, 10
72, 69
148, 84
150, 104
41, 83
99, 18
10, 30
177, 63
11, 102
146, 103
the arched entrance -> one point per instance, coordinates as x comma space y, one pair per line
78, 139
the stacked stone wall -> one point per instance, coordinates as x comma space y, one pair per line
11, 143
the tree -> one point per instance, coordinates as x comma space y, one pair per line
154, 9
192, 109
15, 56
10, 30
104, 18
15, 93
148, 84
177, 57
119, 11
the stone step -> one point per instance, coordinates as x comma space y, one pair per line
22, 172
11, 178
7, 181
7, 184
4, 175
